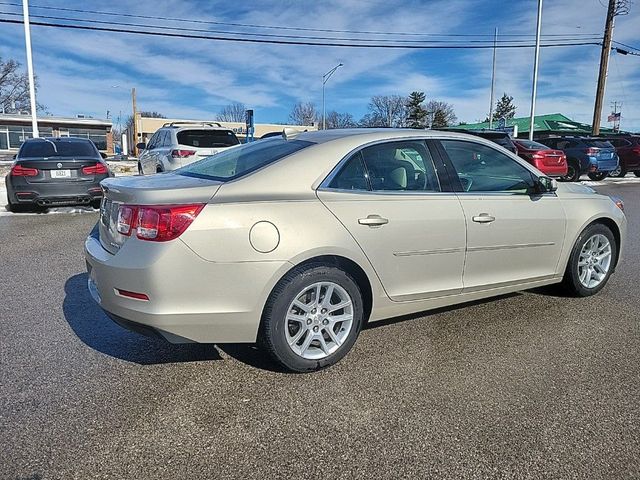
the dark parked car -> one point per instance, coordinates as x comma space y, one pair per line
628, 149
552, 163
501, 138
56, 171
594, 156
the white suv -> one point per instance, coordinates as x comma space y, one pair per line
177, 144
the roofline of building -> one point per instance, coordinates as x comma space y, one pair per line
46, 119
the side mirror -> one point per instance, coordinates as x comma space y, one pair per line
141, 146
547, 184
103, 155
15, 155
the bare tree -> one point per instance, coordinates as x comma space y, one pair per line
304, 114
340, 120
234, 112
440, 114
389, 110
14, 88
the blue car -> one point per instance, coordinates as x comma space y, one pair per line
594, 156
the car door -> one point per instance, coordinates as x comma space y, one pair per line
513, 235
147, 159
389, 197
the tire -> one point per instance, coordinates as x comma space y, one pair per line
637, 173
15, 208
95, 204
140, 171
312, 347
159, 169
573, 281
619, 172
597, 176
573, 173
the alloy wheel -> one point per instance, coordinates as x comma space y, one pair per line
594, 261
319, 320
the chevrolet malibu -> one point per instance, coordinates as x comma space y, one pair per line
296, 242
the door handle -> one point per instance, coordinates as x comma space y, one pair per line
373, 221
483, 218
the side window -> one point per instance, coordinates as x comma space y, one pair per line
352, 176
400, 166
153, 142
482, 169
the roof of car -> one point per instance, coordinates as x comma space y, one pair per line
57, 139
373, 134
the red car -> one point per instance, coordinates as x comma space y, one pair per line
552, 163
628, 149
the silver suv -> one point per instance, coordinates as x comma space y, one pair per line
177, 144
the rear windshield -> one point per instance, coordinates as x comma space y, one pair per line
597, 143
207, 138
531, 145
236, 162
58, 148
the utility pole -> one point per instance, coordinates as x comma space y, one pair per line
135, 122
616, 7
493, 77
32, 85
536, 61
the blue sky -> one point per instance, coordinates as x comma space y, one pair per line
91, 72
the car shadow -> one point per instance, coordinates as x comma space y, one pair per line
95, 329
435, 311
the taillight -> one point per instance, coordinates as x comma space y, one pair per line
182, 153
537, 156
636, 150
157, 223
126, 219
592, 151
97, 169
20, 171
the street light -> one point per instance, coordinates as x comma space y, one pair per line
135, 123
326, 77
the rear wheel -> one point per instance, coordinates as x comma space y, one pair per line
312, 318
591, 262
15, 208
597, 176
637, 173
573, 173
140, 171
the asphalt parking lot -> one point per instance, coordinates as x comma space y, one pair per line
530, 385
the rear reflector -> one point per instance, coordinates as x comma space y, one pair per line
157, 223
20, 171
136, 295
97, 169
182, 153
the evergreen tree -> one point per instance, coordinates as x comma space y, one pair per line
504, 108
416, 113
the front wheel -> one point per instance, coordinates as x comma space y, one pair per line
591, 262
619, 172
597, 176
573, 173
312, 318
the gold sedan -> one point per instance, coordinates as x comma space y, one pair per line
295, 242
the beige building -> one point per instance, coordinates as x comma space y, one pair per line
146, 127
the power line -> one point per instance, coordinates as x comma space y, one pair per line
277, 27
625, 45
291, 42
182, 29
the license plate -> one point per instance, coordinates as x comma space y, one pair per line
60, 173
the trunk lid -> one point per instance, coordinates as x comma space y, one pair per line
552, 158
59, 169
160, 189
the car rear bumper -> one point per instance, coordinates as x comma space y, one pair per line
190, 299
20, 191
553, 170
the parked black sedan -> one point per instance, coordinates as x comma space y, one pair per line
56, 171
